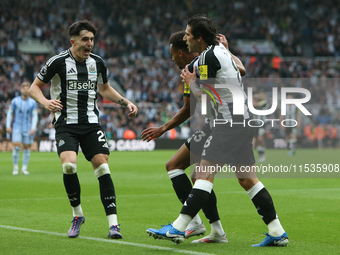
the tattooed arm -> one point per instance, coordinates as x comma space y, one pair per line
122, 102
111, 94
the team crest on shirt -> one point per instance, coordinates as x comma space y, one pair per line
92, 69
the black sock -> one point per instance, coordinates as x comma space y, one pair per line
264, 205
182, 186
72, 186
195, 201
210, 208
107, 194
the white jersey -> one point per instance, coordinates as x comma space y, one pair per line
217, 66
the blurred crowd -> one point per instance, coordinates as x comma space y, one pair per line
324, 22
133, 39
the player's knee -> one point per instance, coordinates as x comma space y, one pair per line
193, 175
69, 168
168, 166
173, 164
247, 183
102, 170
243, 183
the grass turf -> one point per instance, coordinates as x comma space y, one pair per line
35, 212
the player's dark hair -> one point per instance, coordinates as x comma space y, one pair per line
177, 42
78, 26
201, 25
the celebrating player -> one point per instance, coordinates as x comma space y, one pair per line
185, 156
231, 144
189, 152
76, 74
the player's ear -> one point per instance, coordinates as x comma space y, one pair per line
180, 53
72, 41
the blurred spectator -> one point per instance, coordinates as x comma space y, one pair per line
185, 131
134, 43
129, 135
324, 117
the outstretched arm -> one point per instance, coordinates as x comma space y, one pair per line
182, 115
111, 94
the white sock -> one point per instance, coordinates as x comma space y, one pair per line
255, 189
275, 228
182, 222
77, 211
175, 172
112, 219
216, 228
196, 221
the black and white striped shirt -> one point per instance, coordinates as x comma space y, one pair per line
217, 65
75, 85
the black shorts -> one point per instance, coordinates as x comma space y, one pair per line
90, 137
196, 141
230, 145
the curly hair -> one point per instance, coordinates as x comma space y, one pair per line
177, 42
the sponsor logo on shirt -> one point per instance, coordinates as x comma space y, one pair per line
81, 85
71, 71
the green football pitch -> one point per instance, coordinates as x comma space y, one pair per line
35, 213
